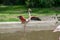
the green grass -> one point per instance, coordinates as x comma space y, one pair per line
10, 13
14, 17
23, 9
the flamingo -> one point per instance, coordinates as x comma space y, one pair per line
57, 29
25, 21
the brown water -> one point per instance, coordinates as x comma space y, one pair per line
34, 35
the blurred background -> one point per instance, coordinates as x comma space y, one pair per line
10, 9
44, 9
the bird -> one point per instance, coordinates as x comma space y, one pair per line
30, 18
34, 18
57, 29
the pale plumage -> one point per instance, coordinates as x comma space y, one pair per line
57, 29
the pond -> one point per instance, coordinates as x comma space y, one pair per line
33, 35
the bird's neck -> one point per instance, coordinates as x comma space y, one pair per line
29, 14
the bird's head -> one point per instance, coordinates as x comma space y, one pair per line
22, 19
19, 16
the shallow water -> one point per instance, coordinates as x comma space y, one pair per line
30, 35
38, 25
33, 35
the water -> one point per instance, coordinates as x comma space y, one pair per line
36, 26
40, 32
33, 35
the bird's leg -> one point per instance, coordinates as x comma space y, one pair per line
24, 31
24, 28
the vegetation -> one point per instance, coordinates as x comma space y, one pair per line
32, 3
23, 9
10, 13
10, 9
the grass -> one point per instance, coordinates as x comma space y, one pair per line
10, 13
23, 9
13, 17
34, 35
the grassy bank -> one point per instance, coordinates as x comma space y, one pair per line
10, 13
14, 17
